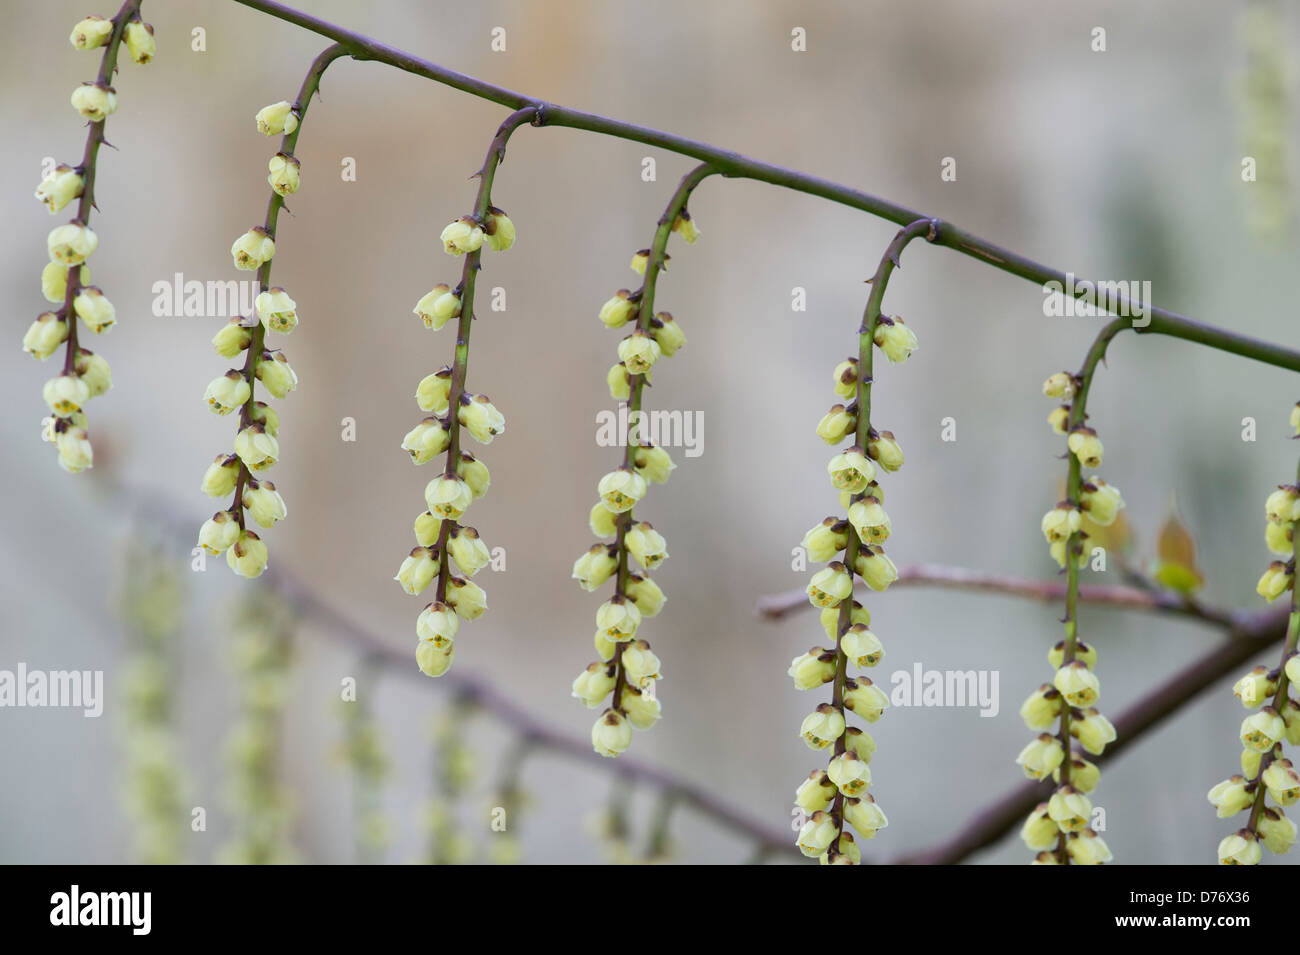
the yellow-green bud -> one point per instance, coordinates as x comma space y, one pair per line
638, 352
1041, 756
500, 230
60, 187
894, 338
1240, 848
275, 372
94, 101
227, 393
256, 448
253, 249
434, 391
1262, 730
1086, 446
830, 585
1042, 708
1069, 809
884, 450
71, 244
1078, 684
219, 532
438, 306
91, 33
837, 424
462, 235
481, 418
667, 333
865, 698
810, 670
468, 551
45, 335
861, 646
1230, 796
221, 476
140, 43
850, 774
285, 174
822, 727
594, 684
594, 567
276, 119
466, 597
233, 338
247, 557
264, 503
611, 734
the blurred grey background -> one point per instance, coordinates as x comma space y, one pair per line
1123, 165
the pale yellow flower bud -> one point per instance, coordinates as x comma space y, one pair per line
447, 497
620, 490
594, 684
276, 119
276, 310
427, 529
247, 557
1060, 522
1276, 831
594, 567
1060, 385
221, 476
1058, 419
822, 727
845, 378
830, 585
826, 540
1240, 848
1084, 776
638, 352
611, 734
810, 670
1101, 501
817, 834
894, 338
1078, 684
1094, 732
861, 646
850, 774
468, 550
619, 381
865, 698
94, 371
227, 393
140, 43
831, 616
252, 249
619, 310
860, 742
256, 448
474, 473
219, 532
1082, 651
1086, 446
1279, 538
884, 450
646, 544
864, 815
54, 281
263, 414
1087, 848
264, 503
1255, 688
285, 174
434, 391
94, 101
684, 226
275, 372
60, 187
467, 598
417, 570
233, 338
815, 793
461, 236
641, 706
500, 230
426, 440
93, 308
1069, 809
1262, 730
1041, 756
45, 335
1280, 507
646, 594
75, 450
1230, 796
434, 660
851, 471
1282, 782
870, 520
481, 418
1042, 708
653, 463
667, 333
71, 244
1275, 581
618, 619
640, 663
1039, 830
837, 424
91, 33
437, 624
874, 567
438, 306
66, 394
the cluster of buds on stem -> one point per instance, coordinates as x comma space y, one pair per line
628, 669
1274, 714
451, 410
836, 796
65, 280
1059, 830
256, 446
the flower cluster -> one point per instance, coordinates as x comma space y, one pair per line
440, 537
837, 794
65, 280
1059, 829
256, 446
1274, 713
628, 668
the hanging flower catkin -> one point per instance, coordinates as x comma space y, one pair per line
65, 280
439, 536
1059, 829
837, 794
1274, 713
628, 668
256, 448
